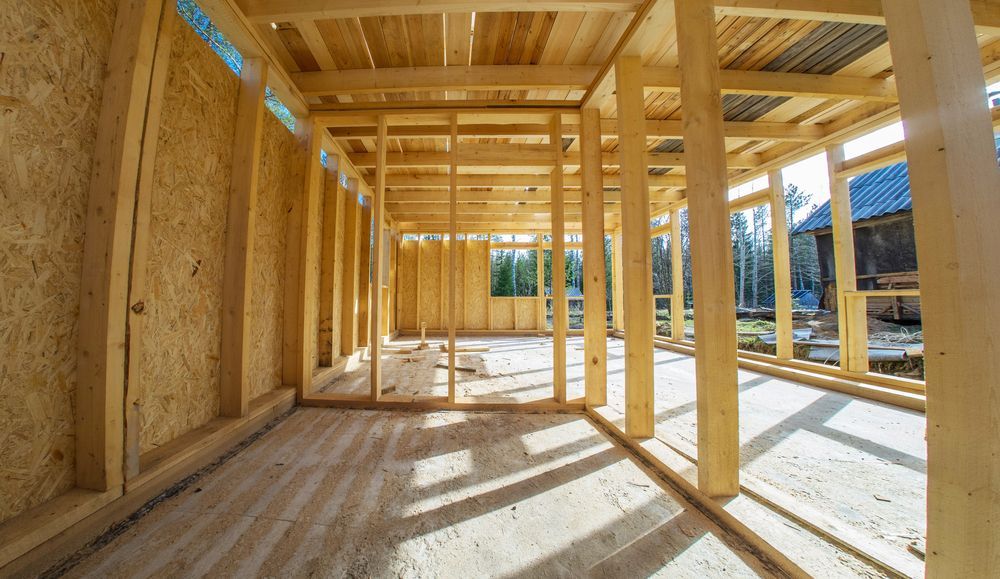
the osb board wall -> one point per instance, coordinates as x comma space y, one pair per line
51, 80
459, 282
527, 314
182, 333
406, 284
503, 313
478, 278
430, 283
282, 162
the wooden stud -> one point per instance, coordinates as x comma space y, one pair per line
311, 135
465, 284
100, 390
442, 286
328, 263
140, 242
542, 324
420, 279
364, 272
711, 250
378, 257
954, 183
349, 295
560, 310
637, 282
452, 258
234, 391
851, 315
488, 290
617, 306
595, 324
676, 277
782, 266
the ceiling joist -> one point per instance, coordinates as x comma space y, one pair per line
267, 11
527, 156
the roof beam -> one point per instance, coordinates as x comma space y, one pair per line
502, 155
538, 181
986, 13
285, 10
655, 129
667, 79
508, 197
443, 78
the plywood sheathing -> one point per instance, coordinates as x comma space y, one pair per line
280, 183
181, 342
407, 284
477, 276
51, 79
430, 283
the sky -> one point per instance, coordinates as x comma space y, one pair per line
811, 175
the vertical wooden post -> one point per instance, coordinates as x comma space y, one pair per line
237, 284
349, 289
378, 256
711, 250
782, 266
452, 249
595, 324
489, 282
851, 321
140, 241
617, 306
954, 183
328, 263
394, 278
364, 272
311, 134
100, 374
540, 272
637, 284
560, 310
676, 277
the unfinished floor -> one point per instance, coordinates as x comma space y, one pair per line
397, 494
854, 467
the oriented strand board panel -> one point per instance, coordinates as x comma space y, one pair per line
281, 180
430, 283
527, 314
182, 334
406, 285
51, 79
503, 313
478, 278
459, 269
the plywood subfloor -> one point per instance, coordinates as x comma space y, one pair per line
861, 463
516, 369
399, 494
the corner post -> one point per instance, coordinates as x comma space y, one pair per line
560, 312
595, 324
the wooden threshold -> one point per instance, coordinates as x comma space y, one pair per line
678, 466
855, 384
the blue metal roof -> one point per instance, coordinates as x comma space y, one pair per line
882, 192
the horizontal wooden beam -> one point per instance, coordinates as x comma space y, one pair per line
986, 13
749, 201
442, 78
877, 159
290, 10
503, 155
525, 220
668, 79
537, 181
655, 129
430, 196
399, 208
578, 77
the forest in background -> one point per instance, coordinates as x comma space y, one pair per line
514, 273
